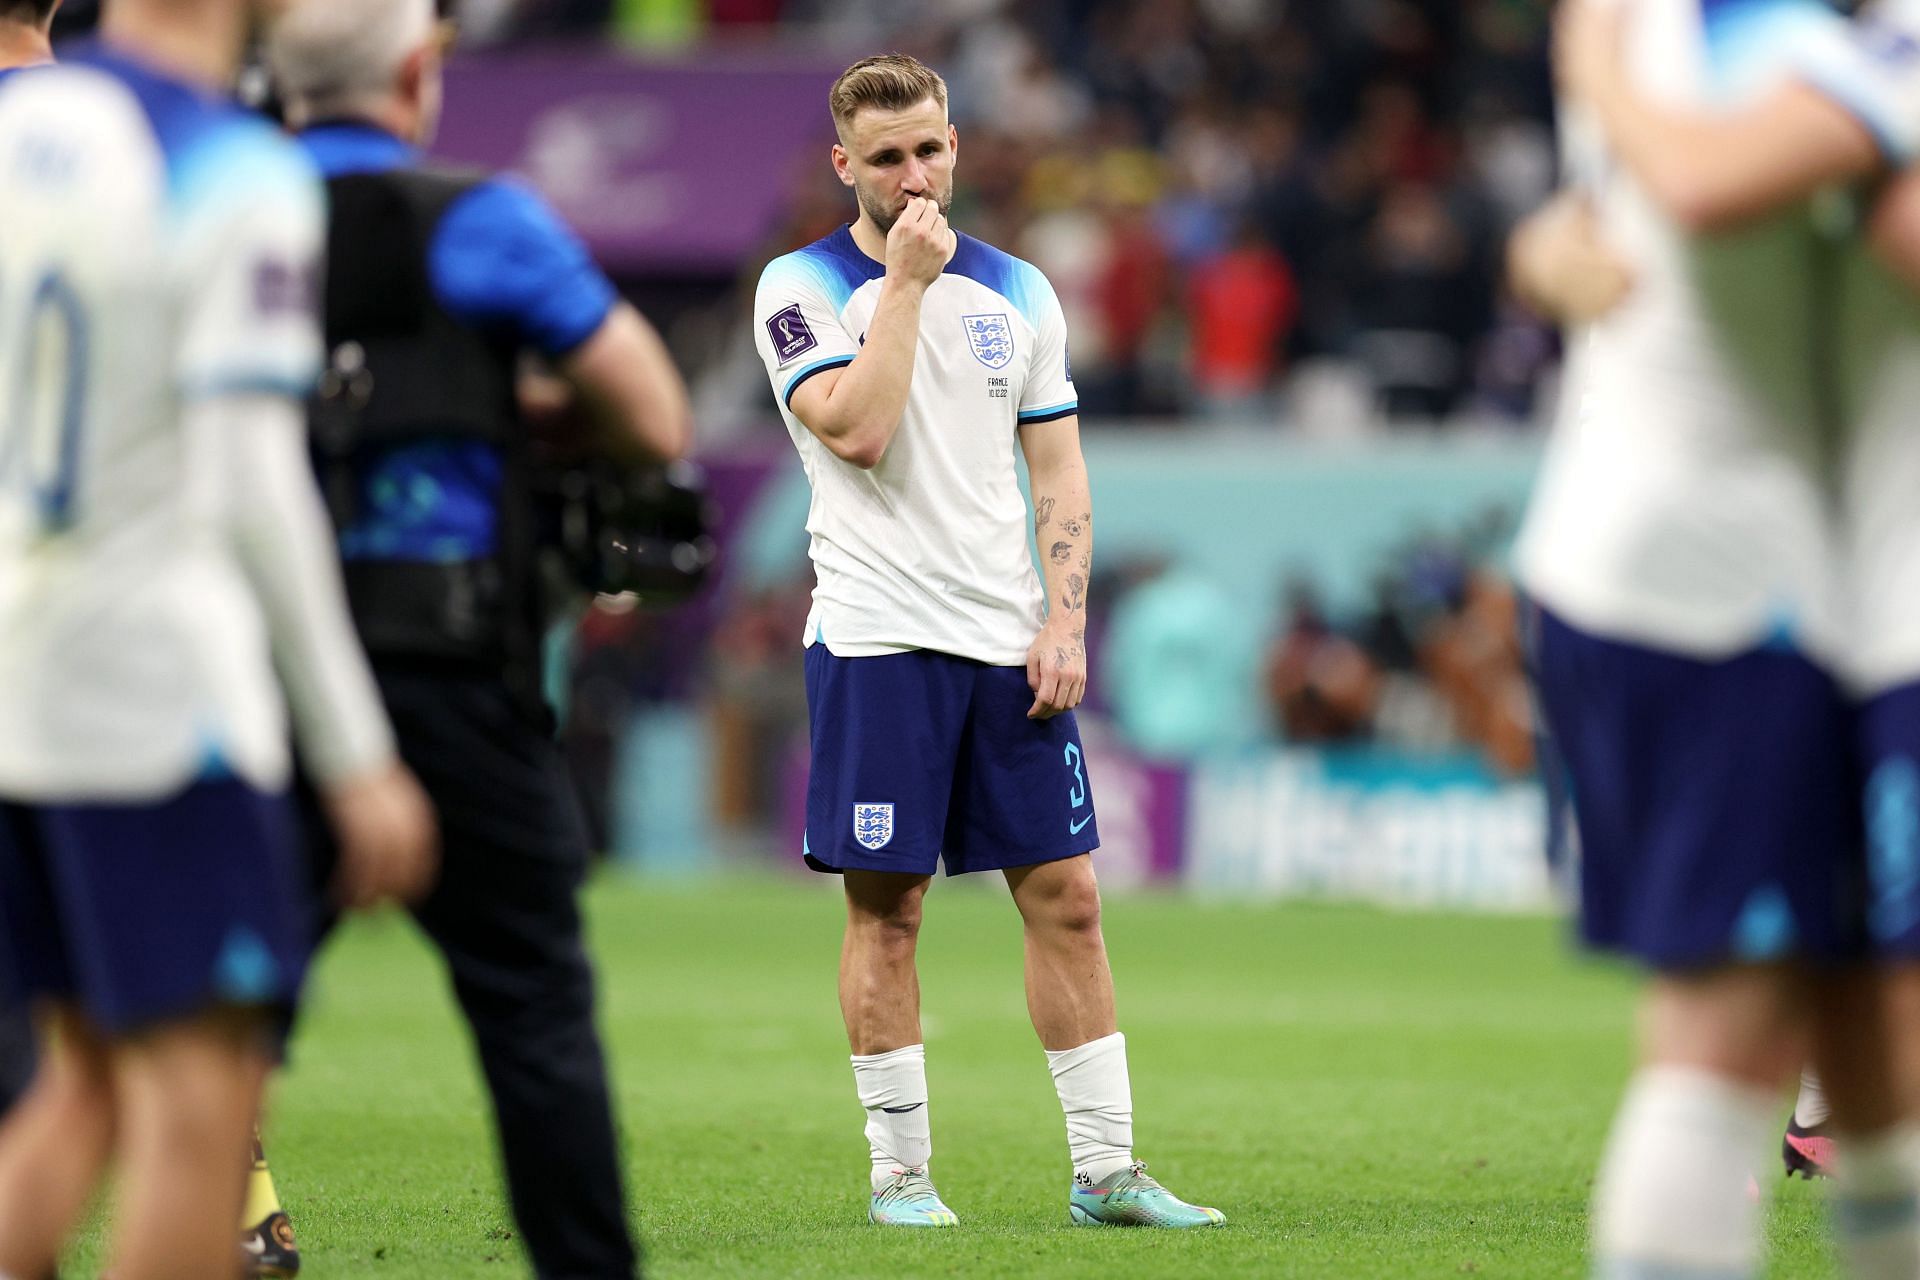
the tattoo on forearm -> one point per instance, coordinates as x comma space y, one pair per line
1042, 513
1086, 561
1059, 552
1073, 526
1076, 593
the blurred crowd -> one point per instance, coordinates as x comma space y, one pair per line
1433, 663
1429, 665
1254, 210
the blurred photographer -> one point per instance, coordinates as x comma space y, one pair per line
439, 284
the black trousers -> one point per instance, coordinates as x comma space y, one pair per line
505, 915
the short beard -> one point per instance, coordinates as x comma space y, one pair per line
884, 218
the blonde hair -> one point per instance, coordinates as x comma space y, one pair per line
888, 82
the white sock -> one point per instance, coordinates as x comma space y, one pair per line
893, 1089
1672, 1197
1876, 1214
1810, 1108
1098, 1099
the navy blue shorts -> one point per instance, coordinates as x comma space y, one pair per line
144, 913
922, 756
1889, 733
1716, 803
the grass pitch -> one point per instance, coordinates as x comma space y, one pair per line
1365, 1094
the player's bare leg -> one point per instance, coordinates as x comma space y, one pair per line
186, 1097
1070, 999
54, 1147
1716, 1049
1867, 1054
1746, 1023
1718, 1046
1069, 984
879, 986
880, 1000
1853, 1050
1903, 1032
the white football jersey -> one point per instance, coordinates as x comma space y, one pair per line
156, 246
928, 550
1689, 493
1876, 346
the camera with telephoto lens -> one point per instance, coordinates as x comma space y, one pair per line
621, 531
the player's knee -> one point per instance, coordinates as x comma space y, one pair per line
75, 1092
1743, 1022
192, 1119
885, 909
76, 1074
1075, 907
898, 922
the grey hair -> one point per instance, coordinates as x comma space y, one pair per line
330, 57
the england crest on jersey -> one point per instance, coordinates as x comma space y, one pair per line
873, 825
991, 338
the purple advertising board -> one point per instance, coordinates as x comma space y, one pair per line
679, 167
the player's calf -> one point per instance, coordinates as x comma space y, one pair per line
187, 1096
53, 1149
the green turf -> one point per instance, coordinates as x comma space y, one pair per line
1365, 1094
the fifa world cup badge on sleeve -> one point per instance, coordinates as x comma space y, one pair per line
873, 825
788, 329
991, 338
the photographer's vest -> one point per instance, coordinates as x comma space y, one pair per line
405, 371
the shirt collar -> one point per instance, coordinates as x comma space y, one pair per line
342, 147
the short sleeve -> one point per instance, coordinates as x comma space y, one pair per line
796, 324
1048, 393
503, 259
1871, 67
252, 213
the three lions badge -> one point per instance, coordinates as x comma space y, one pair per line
991, 338
873, 825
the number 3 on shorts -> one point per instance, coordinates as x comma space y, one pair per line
1079, 793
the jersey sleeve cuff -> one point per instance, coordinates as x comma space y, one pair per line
1049, 413
808, 371
261, 382
1833, 84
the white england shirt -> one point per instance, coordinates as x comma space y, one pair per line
1875, 345
1688, 496
156, 247
928, 550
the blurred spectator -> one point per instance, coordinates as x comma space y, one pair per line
1433, 665
1473, 657
756, 700
1179, 663
534, 19
1417, 306
1241, 305
1322, 685
1380, 148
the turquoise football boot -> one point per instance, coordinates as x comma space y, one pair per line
908, 1199
1130, 1198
